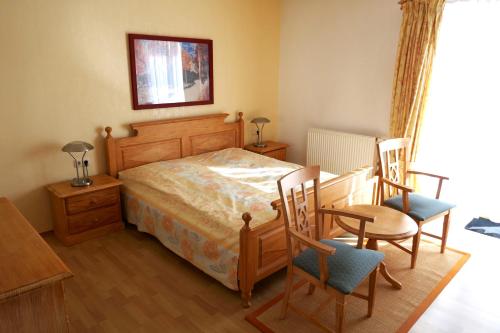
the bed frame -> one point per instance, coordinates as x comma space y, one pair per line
263, 248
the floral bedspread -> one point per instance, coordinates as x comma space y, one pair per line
194, 205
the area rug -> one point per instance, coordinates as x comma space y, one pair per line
484, 226
395, 310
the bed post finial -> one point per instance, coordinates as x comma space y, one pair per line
108, 131
246, 218
240, 115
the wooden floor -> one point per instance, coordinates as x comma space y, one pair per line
128, 282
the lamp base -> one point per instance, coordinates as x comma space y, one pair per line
79, 182
260, 145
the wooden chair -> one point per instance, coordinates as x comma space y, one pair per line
333, 266
393, 176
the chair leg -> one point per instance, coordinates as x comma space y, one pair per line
416, 243
371, 291
339, 313
312, 287
444, 237
288, 291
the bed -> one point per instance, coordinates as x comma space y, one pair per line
189, 183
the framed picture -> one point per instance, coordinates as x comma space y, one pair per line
170, 71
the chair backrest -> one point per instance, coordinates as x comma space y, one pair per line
393, 156
297, 215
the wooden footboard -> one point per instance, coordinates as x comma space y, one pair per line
263, 248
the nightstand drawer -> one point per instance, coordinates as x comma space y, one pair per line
84, 202
279, 154
272, 149
93, 218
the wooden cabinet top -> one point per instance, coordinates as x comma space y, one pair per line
271, 146
26, 260
100, 182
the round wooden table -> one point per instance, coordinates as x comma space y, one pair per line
389, 225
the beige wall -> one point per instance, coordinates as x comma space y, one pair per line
64, 75
336, 67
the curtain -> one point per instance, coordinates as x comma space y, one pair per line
464, 95
416, 49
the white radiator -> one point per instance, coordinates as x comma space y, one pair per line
338, 152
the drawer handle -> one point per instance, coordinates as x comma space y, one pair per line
96, 220
93, 201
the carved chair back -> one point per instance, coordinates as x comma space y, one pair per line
297, 211
393, 157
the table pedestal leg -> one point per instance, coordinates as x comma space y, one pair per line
372, 244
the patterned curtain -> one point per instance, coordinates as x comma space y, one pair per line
416, 49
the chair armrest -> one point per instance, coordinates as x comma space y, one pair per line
347, 213
440, 183
312, 243
415, 172
323, 252
406, 191
363, 218
403, 188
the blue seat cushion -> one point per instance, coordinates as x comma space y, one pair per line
421, 207
348, 267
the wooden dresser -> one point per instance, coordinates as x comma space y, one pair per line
273, 149
81, 213
31, 277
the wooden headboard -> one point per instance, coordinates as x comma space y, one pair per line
169, 139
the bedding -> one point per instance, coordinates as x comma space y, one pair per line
194, 205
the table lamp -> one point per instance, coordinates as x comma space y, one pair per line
260, 122
74, 148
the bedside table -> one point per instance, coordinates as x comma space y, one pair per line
81, 213
273, 149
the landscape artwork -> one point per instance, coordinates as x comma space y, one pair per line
170, 71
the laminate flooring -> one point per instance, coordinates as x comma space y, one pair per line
128, 282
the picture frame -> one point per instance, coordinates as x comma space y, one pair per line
170, 71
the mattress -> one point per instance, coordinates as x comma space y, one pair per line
194, 205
